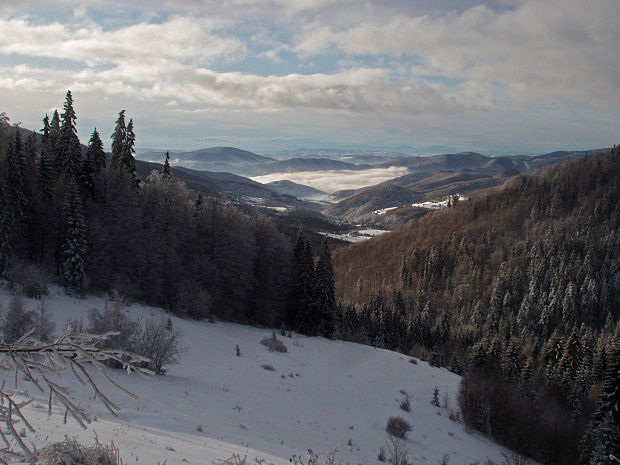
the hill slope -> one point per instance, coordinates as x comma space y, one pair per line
518, 284
322, 395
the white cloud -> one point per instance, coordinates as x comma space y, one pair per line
332, 181
363, 90
180, 39
555, 49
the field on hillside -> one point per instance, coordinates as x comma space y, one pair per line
320, 395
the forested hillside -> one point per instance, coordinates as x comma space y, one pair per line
87, 218
77, 215
519, 289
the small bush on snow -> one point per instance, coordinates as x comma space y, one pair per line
398, 427
274, 344
71, 452
162, 346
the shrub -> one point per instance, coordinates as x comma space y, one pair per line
435, 400
398, 427
29, 280
157, 342
18, 321
43, 325
162, 346
112, 318
405, 404
70, 451
274, 344
397, 453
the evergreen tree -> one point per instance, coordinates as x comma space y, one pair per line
123, 140
130, 141
54, 144
602, 439
74, 247
6, 228
324, 291
301, 312
118, 142
93, 163
570, 360
46, 174
15, 165
69, 149
166, 172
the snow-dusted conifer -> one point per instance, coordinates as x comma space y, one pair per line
74, 246
45, 166
324, 291
16, 197
93, 163
69, 149
6, 228
123, 140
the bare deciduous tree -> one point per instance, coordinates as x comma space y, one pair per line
159, 344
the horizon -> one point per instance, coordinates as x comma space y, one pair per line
497, 77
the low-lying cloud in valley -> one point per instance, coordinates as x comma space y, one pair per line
332, 181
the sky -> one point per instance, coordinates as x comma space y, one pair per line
493, 76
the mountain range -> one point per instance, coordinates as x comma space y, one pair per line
225, 169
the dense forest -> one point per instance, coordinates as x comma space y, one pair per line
77, 213
517, 288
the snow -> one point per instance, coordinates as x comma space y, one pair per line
383, 211
359, 235
430, 205
323, 395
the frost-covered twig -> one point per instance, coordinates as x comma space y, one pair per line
39, 362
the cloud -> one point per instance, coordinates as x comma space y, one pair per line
178, 40
362, 90
556, 49
332, 181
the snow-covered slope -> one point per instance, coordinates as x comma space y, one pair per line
323, 395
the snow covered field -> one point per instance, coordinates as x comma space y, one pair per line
360, 235
322, 395
430, 205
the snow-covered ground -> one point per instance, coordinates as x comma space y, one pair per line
323, 395
430, 205
359, 235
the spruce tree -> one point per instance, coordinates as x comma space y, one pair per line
6, 228
93, 163
118, 142
324, 291
46, 175
301, 314
69, 150
15, 165
602, 438
74, 246
123, 140
54, 144
166, 172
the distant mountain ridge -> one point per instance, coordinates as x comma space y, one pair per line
222, 154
